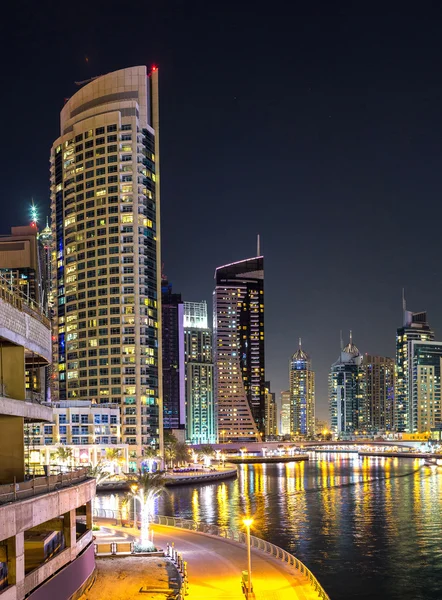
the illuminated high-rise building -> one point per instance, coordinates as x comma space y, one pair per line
284, 415
271, 422
238, 329
346, 392
378, 390
200, 402
415, 328
425, 386
105, 202
302, 394
174, 396
45, 239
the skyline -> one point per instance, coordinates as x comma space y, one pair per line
333, 164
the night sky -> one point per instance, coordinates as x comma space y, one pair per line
321, 132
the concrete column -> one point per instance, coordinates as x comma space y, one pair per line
12, 452
69, 528
89, 515
16, 563
12, 371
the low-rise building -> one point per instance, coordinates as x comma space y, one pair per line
93, 431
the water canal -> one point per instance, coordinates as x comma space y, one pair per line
367, 527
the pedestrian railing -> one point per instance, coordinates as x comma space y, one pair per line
11, 492
228, 534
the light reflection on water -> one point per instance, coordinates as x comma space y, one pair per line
366, 527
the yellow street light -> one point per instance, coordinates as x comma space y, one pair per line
248, 522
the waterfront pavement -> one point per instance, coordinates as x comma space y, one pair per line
214, 565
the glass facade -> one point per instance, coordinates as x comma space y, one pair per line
302, 395
415, 328
105, 214
238, 319
200, 406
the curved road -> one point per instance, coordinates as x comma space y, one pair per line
214, 566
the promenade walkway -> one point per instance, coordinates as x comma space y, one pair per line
215, 565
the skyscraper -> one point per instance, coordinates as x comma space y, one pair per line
425, 399
45, 239
284, 416
238, 328
105, 202
378, 382
415, 328
270, 413
302, 394
172, 317
346, 392
200, 402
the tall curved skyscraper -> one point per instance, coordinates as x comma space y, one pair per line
238, 331
302, 394
105, 202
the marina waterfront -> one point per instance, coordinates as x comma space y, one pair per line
367, 527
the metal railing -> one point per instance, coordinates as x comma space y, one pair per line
12, 492
228, 534
14, 296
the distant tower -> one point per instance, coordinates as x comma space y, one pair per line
200, 404
284, 415
45, 239
271, 413
378, 381
174, 408
415, 328
346, 400
302, 394
238, 329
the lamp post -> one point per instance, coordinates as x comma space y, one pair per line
134, 489
248, 522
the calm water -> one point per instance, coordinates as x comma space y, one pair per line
366, 527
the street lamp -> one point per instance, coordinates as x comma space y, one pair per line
248, 522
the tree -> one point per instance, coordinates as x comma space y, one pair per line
146, 488
114, 457
64, 455
182, 453
152, 455
99, 473
170, 454
206, 452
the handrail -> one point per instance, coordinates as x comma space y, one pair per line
17, 299
228, 534
13, 492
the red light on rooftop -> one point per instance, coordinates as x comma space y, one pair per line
154, 68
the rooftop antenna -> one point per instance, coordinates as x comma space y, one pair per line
258, 246
351, 338
300, 343
341, 340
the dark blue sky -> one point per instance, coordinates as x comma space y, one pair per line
322, 132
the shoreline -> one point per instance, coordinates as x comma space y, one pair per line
401, 454
174, 480
238, 460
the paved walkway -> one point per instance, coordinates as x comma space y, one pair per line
214, 566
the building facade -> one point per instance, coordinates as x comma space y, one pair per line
378, 382
346, 392
238, 328
302, 394
46, 542
284, 415
415, 328
425, 401
271, 421
105, 202
172, 317
200, 401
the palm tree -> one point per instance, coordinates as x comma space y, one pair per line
206, 452
98, 472
170, 454
113, 455
146, 488
64, 454
182, 453
152, 455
